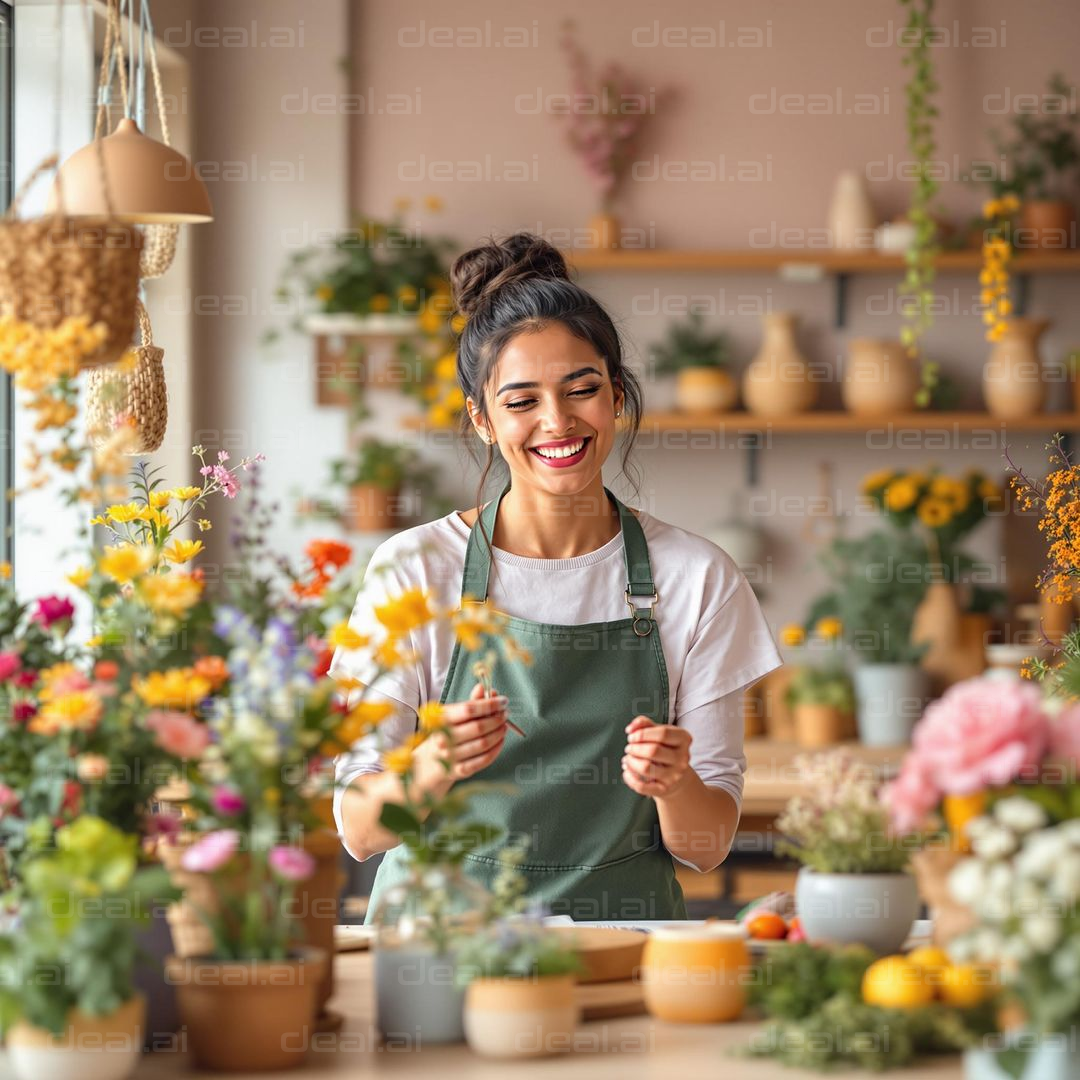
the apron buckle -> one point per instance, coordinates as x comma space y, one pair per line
643, 623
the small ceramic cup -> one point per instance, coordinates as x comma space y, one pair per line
696, 974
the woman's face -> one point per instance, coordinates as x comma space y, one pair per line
551, 387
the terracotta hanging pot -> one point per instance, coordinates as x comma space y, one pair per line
372, 508
705, 390
779, 381
1046, 223
880, 378
1013, 385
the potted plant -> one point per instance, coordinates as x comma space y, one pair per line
68, 1003
520, 997
699, 361
1043, 153
822, 701
853, 886
875, 607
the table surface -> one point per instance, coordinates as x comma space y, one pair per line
635, 1046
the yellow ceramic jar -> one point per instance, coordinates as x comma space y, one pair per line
696, 974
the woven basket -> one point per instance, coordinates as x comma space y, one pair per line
139, 396
56, 267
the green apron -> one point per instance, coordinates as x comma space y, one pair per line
594, 850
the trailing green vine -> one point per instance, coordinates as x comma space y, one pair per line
918, 285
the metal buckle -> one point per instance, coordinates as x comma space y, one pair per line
643, 624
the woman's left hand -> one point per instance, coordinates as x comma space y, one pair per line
657, 757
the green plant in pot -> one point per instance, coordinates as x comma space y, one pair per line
68, 1002
822, 701
879, 581
699, 360
1043, 153
520, 996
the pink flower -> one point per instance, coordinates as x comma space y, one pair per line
25, 678
228, 801
178, 733
22, 711
911, 796
52, 610
982, 733
10, 662
291, 864
8, 799
1065, 735
90, 768
164, 826
212, 852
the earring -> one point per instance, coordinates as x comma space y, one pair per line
618, 414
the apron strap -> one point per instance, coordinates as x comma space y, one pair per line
639, 582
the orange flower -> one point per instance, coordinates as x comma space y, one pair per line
328, 552
213, 669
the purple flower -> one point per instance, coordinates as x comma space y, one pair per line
291, 864
53, 609
212, 852
228, 802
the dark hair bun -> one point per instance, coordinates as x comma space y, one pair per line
481, 272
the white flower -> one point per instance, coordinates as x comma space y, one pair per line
994, 842
1020, 814
1040, 853
961, 949
1042, 931
987, 944
1065, 879
1065, 963
1029, 897
1071, 830
966, 882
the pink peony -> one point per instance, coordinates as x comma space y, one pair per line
10, 662
178, 733
982, 733
1065, 735
228, 801
911, 796
52, 610
212, 852
292, 864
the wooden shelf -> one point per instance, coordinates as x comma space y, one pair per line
834, 423
805, 263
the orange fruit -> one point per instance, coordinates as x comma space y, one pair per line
893, 982
966, 985
767, 926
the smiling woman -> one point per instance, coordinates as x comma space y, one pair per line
642, 636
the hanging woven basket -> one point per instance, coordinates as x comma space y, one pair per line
138, 397
56, 267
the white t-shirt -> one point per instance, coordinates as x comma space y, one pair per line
715, 638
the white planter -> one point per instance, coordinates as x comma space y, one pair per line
416, 997
362, 325
521, 1018
877, 910
1050, 1057
92, 1048
890, 701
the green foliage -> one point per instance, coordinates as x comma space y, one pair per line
796, 977
688, 345
821, 686
514, 948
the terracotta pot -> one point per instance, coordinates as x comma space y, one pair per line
372, 508
521, 1018
779, 381
819, 725
879, 379
248, 1014
604, 231
851, 214
1045, 224
91, 1048
696, 975
1055, 619
705, 390
1013, 385
314, 904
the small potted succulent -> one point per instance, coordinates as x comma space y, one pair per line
822, 701
68, 1001
854, 886
520, 979
699, 361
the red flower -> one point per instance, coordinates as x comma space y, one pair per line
22, 711
106, 670
52, 610
324, 552
322, 665
25, 678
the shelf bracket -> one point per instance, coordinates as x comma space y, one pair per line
1023, 293
841, 300
753, 450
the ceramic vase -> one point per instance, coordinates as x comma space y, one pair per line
1013, 385
779, 381
880, 378
522, 1017
851, 214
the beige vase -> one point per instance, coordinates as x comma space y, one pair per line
705, 390
937, 624
851, 214
522, 1017
779, 381
1013, 385
880, 378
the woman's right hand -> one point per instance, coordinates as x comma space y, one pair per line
476, 731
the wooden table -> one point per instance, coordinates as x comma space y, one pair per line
621, 1049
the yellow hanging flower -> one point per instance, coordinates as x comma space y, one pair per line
125, 562
182, 551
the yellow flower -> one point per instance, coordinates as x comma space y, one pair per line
160, 499
125, 562
126, 512
877, 480
432, 716
170, 594
457, 323
407, 294
182, 551
901, 493
78, 710
184, 494
177, 688
793, 634
829, 628
430, 318
380, 302
358, 722
446, 367
935, 512
405, 612
80, 578
324, 293
204, 525
440, 416
402, 202
433, 203
473, 621
399, 760
5, 571
343, 636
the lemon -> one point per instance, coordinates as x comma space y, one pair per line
965, 985
893, 982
